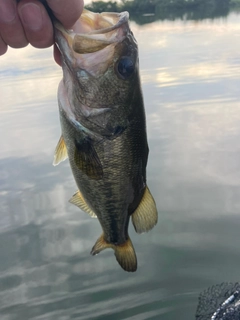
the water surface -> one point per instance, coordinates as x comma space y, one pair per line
191, 79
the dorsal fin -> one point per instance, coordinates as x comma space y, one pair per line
78, 200
145, 217
60, 153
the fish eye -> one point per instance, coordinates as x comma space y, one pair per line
125, 67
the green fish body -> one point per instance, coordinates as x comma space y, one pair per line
103, 129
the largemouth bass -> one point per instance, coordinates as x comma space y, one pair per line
103, 129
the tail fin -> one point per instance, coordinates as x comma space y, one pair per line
125, 253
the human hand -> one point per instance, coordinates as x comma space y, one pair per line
28, 22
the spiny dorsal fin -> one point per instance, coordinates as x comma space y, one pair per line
125, 253
60, 153
145, 217
78, 200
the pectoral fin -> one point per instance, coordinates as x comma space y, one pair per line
145, 216
60, 153
125, 253
80, 202
86, 159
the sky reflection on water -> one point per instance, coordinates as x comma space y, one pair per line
190, 75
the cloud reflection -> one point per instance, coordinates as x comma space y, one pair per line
190, 76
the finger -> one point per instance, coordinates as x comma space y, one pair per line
3, 47
11, 30
57, 55
36, 22
67, 12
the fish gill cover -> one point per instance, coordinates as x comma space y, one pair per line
104, 129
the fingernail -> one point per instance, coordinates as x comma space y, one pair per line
31, 16
7, 10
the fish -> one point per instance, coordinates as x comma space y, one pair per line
220, 302
103, 128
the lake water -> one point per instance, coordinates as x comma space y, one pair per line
191, 82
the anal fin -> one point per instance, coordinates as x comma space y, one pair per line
60, 153
78, 200
125, 253
145, 217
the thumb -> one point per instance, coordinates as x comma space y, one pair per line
67, 12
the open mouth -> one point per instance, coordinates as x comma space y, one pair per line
95, 31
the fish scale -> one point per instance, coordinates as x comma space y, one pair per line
104, 131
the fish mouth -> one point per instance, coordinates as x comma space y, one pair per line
93, 31
88, 51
